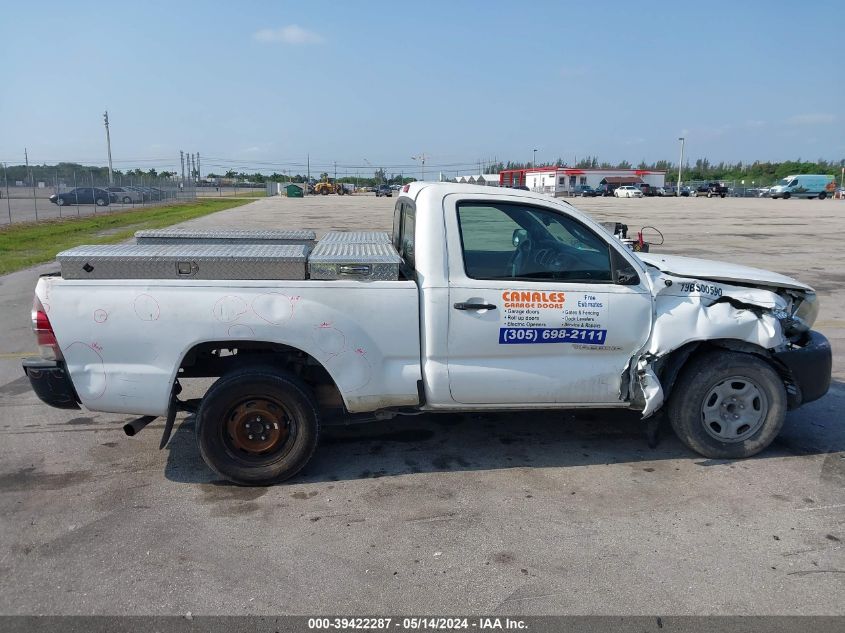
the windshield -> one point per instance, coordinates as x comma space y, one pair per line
784, 182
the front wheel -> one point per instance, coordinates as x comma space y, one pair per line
60, 202
727, 405
786, 196
257, 426
822, 195
126, 199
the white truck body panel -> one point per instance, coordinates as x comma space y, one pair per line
719, 271
123, 341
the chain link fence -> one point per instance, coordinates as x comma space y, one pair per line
39, 193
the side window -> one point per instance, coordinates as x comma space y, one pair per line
508, 241
404, 225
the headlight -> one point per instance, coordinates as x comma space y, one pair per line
807, 312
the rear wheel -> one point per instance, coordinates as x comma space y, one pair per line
257, 426
727, 405
786, 195
101, 202
126, 199
822, 195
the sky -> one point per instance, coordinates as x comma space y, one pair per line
260, 86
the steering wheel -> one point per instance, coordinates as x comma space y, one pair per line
553, 258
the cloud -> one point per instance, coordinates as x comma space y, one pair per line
813, 118
291, 34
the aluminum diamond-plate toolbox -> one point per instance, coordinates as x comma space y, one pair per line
225, 236
354, 261
355, 237
185, 261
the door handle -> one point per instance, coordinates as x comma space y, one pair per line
474, 306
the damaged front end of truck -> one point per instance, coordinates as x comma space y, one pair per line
700, 304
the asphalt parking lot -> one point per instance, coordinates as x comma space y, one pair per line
524, 513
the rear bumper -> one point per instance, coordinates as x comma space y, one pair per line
809, 367
51, 382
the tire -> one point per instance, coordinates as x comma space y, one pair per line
100, 202
712, 389
709, 194
822, 195
126, 199
60, 202
240, 399
722, 195
786, 195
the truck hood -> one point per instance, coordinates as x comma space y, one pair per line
719, 271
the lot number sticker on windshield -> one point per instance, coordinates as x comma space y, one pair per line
553, 317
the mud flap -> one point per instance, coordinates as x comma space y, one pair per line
172, 408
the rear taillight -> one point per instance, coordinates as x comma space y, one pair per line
48, 346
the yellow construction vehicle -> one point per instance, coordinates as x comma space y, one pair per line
327, 186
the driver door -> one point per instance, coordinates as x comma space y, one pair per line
539, 314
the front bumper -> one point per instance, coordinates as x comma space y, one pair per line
51, 382
809, 368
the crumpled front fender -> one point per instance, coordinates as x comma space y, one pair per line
689, 310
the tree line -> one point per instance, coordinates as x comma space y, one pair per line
65, 172
761, 172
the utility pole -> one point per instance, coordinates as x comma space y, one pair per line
534, 164
8, 200
199, 170
31, 182
335, 171
681, 164
108, 144
182, 160
308, 182
422, 158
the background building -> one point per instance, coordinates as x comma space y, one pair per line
564, 180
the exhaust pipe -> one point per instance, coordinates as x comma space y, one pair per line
136, 426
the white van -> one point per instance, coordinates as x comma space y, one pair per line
804, 186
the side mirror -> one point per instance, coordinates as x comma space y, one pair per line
519, 236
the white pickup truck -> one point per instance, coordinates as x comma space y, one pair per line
506, 301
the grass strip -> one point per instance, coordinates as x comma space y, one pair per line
24, 245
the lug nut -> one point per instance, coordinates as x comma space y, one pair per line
250, 436
263, 437
247, 425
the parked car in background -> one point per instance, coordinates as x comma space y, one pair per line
520, 187
670, 190
384, 190
628, 191
686, 191
585, 191
804, 186
605, 190
711, 189
82, 195
124, 195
